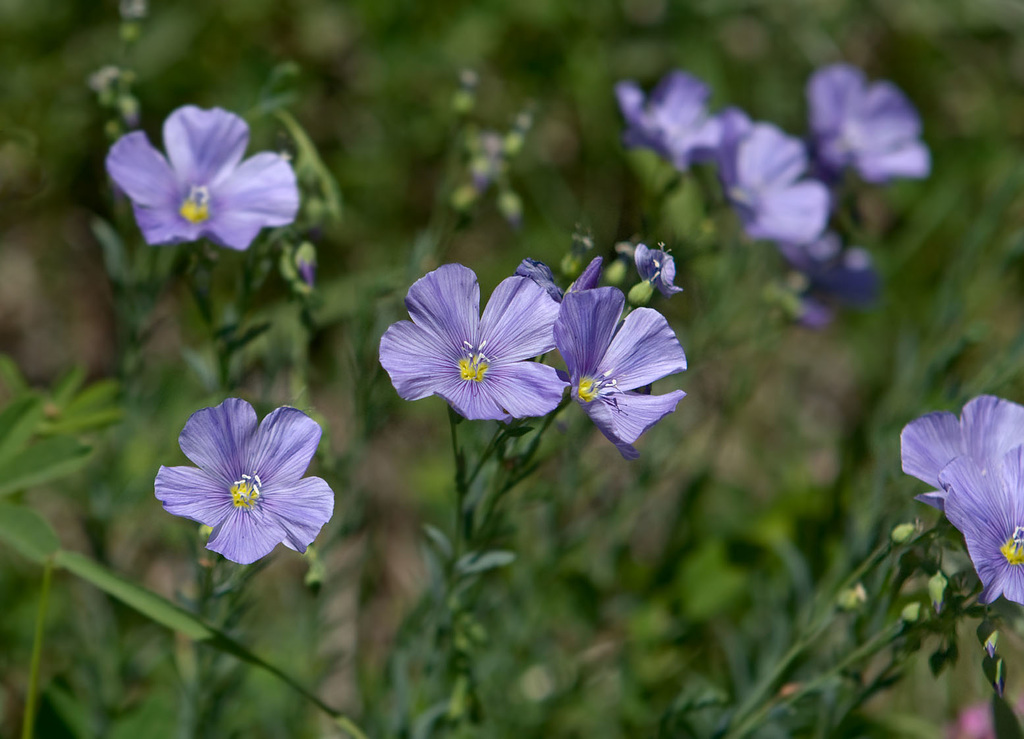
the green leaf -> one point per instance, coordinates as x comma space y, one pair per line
27, 532
1004, 720
66, 387
476, 562
93, 408
146, 602
46, 460
11, 375
114, 256
17, 423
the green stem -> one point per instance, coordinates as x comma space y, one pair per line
32, 699
461, 486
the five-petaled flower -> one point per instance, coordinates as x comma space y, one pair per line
872, 128
205, 190
987, 429
249, 485
657, 267
608, 363
761, 168
475, 363
673, 121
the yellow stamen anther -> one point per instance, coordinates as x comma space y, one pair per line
245, 492
472, 369
588, 389
1013, 550
196, 207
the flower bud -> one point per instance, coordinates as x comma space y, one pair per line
853, 598
616, 272
937, 590
640, 294
463, 197
911, 612
305, 262
901, 534
988, 637
510, 206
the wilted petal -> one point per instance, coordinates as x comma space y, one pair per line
143, 173
301, 507
524, 389
204, 146
283, 447
262, 192
644, 349
797, 213
585, 325
194, 494
246, 535
446, 302
928, 444
217, 439
518, 320
991, 427
542, 275
416, 360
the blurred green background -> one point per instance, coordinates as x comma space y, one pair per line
633, 580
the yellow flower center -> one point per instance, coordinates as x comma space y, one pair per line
245, 492
473, 368
196, 207
588, 389
1013, 549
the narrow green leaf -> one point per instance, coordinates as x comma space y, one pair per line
17, 423
66, 387
114, 256
476, 562
146, 602
27, 532
11, 375
42, 462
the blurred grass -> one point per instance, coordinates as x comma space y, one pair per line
781, 465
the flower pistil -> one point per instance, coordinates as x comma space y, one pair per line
245, 492
1013, 549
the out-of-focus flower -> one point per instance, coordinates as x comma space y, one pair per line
133, 10
831, 272
305, 262
475, 363
488, 160
987, 505
673, 121
249, 485
658, 268
205, 189
988, 428
761, 168
543, 276
608, 363
873, 127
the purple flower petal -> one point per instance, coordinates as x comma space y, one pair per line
247, 535
194, 494
542, 275
831, 92
734, 125
589, 277
814, 314
624, 417
991, 427
644, 349
301, 507
886, 117
585, 325
912, 161
658, 267
524, 389
142, 172
930, 443
416, 360
283, 447
768, 158
161, 226
261, 192
217, 439
936, 499
518, 321
446, 302
797, 213
204, 146
473, 400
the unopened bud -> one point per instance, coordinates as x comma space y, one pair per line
463, 197
571, 266
911, 612
853, 598
616, 272
510, 206
988, 637
128, 106
130, 32
937, 590
305, 263
641, 293
513, 143
995, 670
901, 534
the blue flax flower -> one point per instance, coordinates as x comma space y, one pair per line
832, 273
872, 128
986, 503
987, 429
673, 121
543, 276
249, 485
658, 268
761, 168
203, 188
475, 363
608, 363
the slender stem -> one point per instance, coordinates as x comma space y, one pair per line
32, 699
461, 486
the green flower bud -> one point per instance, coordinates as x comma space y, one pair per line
911, 612
640, 294
937, 590
902, 533
853, 598
616, 272
510, 206
513, 144
463, 197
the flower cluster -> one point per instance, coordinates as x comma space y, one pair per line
976, 465
781, 188
481, 364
